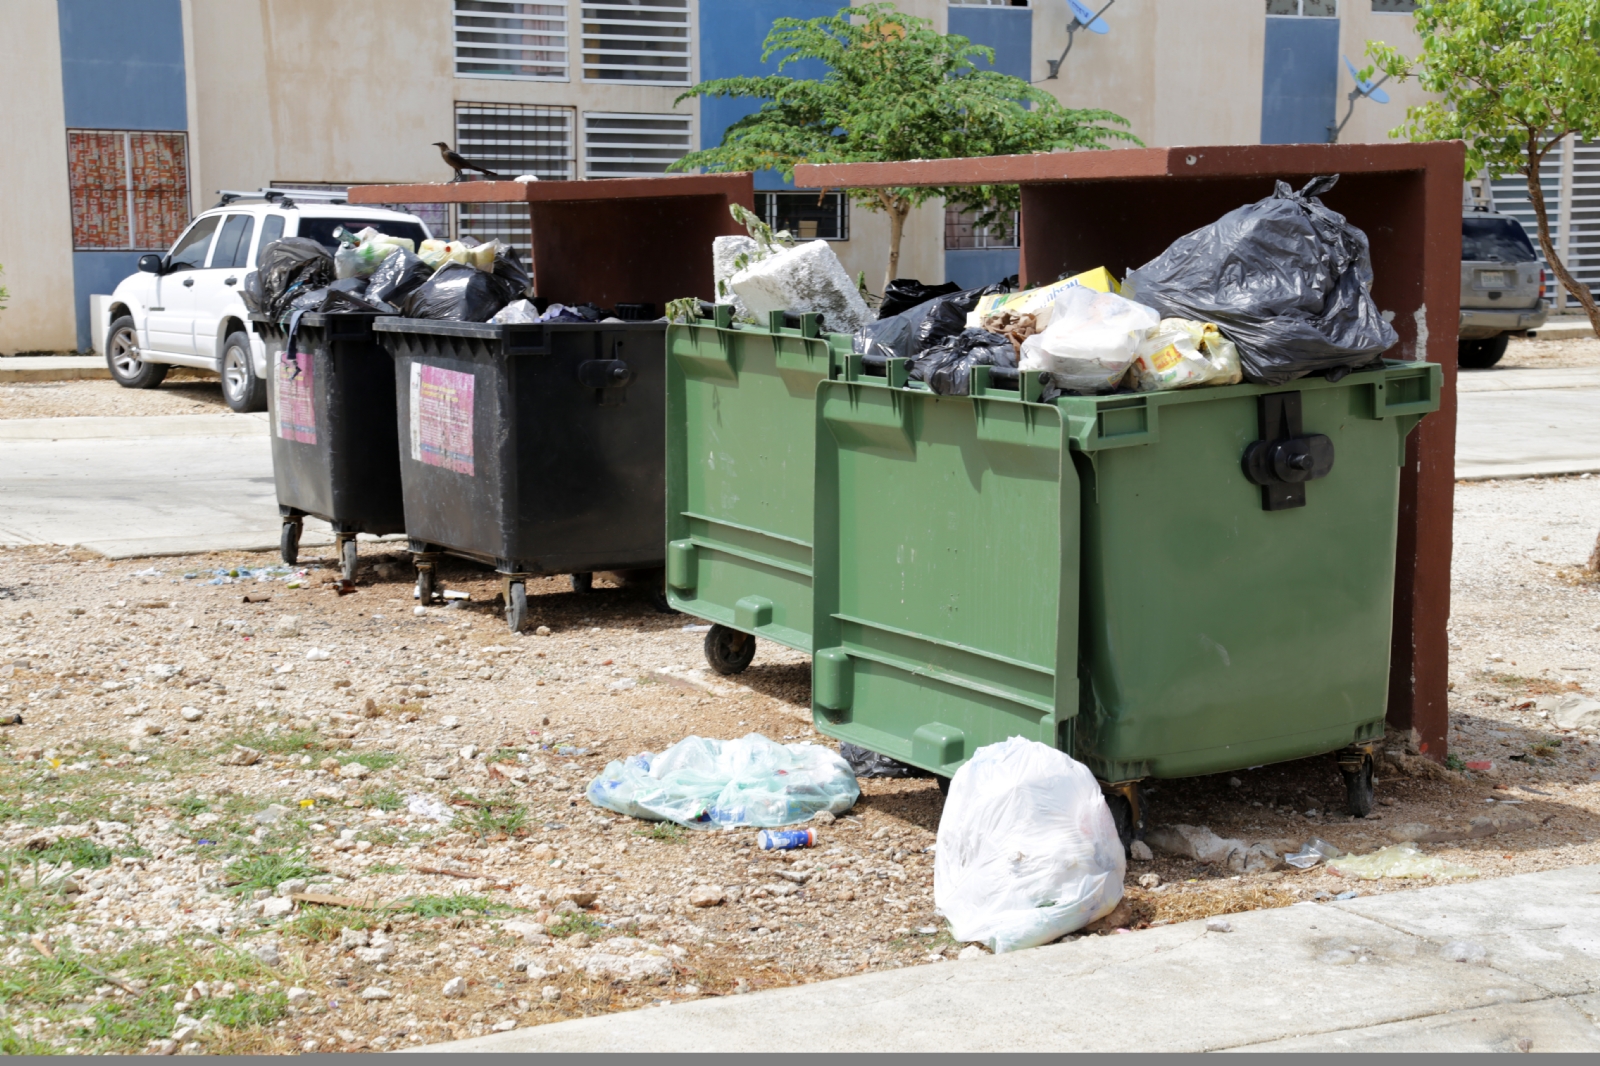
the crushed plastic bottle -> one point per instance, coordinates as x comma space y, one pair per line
785, 839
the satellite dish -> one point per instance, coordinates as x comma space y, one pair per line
1368, 89
1087, 18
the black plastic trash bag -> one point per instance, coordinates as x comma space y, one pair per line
864, 763
397, 277
902, 294
1285, 278
947, 367
288, 268
459, 293
888, 338
929, 323
508, 268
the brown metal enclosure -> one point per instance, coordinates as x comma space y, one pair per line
622, 240
1121, 208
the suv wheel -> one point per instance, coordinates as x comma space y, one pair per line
1481, 354
241, 389
127, 367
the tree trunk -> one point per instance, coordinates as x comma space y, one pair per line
898, 207
1594, 557
1536, 197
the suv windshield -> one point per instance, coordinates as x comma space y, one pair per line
321, 229
1495, 240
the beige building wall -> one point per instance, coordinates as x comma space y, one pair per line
1372, 122
35, 215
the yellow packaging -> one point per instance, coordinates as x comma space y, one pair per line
1033, 301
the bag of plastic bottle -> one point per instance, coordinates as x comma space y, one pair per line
1028, 851
1092, 339
704, 783
397, 277
1286, 279
947, 367
459, 293
1182, 352
361, 260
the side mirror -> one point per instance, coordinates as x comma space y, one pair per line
151, 263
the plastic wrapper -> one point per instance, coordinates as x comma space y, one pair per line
517, 311
1180, 353
864, 763
1285, 278
703, 783
1312, 853
1037, 301
902, 294
1028, 851
361, 260
290, 267
947, 367
1399, 860
397, 277
1092, 339
459, 293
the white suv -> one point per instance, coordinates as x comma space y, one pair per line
184, 308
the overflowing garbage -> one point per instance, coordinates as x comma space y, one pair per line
704, 783
1027, 850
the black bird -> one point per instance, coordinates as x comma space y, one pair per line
458, 164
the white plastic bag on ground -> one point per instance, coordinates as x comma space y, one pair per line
703, 783
1182, 352
1092, 339
1027, 851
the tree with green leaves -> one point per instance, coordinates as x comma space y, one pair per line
895, 90
1513, 78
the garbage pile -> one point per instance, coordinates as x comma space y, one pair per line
372, 272
1270, 292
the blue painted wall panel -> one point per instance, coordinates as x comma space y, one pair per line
731, 33
1008, 30
122, 64
1299, 80
972, 268
97, 272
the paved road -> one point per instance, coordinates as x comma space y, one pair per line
134, 486
1527, 423
1365, 975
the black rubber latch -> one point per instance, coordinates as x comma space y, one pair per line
604, 374
1285, 458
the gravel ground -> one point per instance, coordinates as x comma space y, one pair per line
214, 842
184, 392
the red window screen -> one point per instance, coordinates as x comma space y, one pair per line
130, 189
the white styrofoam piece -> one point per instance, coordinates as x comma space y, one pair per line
807, 277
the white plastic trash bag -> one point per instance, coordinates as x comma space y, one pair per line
704, 783
1092, 339
1182, 352
1027, 851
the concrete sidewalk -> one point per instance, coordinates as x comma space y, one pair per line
1368, 974
15, 368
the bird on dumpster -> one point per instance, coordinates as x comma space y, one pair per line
459, 164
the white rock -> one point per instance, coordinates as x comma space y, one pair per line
354, 938
455, 988
627, 967
1577, 712
286, 626
353, 771
276, 907
706, 895
1218, 925
971, 951
436, 771
318, 655
376, 993
162, 671
550, 994
1139, 851
297, 996
526, 930
269, 955
377, 953
450, 721
1149, 880
504, 1025
191, 714
291, 886
807, 277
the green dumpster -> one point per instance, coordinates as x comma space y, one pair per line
1162, 584
740, 462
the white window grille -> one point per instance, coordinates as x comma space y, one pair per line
1322, 9
633, 146
511, 41
962, 231
511, 139
806, 215
636, 40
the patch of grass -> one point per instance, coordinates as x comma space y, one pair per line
293, 742
13, 1042
80, 851
666, 832
1548, 748
386, 868
246, 1010
24, 909
1453, 762
489, 821
191, 805
266, 870
372, 760
1535, 686
444, 906
578, 922
322, 924
384, 799
505, 755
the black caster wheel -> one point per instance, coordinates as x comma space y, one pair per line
729, 651
347, 559
944, 784
517, 607
658, 601
582, 583
427, 586
289, 543
1358, 788
1129, 823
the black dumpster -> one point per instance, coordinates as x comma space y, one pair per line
335, 441
535, 448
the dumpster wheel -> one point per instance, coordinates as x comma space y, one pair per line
516, 606
1356, 764
347, 556
729, 651
427, 584
582, 583
289, 541
1126, 810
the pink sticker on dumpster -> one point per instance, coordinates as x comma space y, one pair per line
294, 397
441, 417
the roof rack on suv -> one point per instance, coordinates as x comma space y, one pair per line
281, 197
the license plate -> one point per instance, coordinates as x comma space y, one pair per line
1493, 279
